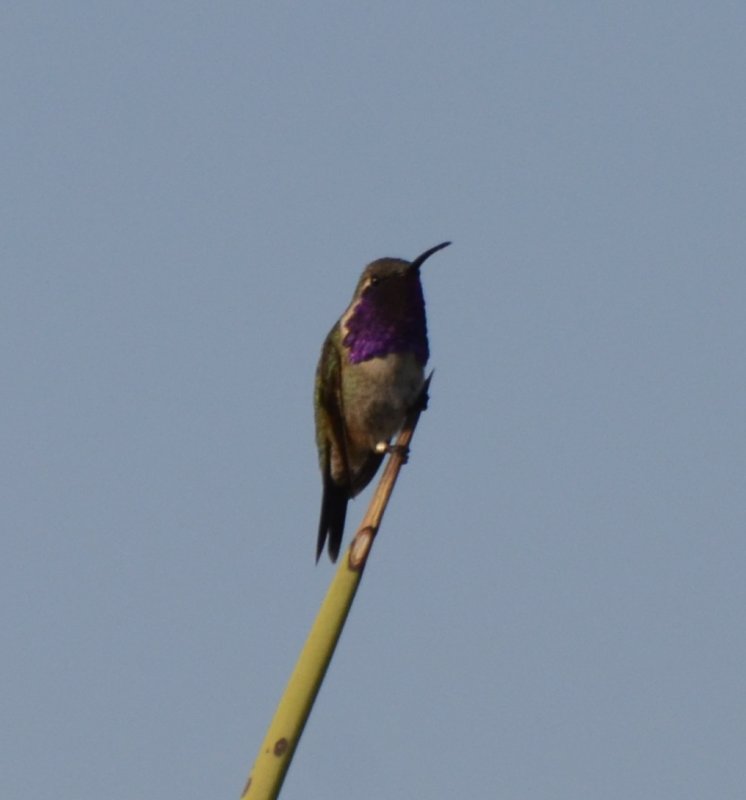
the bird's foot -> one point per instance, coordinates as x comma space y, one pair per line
400, 449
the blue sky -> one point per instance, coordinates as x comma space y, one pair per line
555, 605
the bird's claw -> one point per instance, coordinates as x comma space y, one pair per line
398, 449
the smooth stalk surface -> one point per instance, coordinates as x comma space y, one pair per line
295, 705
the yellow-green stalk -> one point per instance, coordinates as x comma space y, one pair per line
295, 705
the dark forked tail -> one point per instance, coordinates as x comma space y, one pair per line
332, 521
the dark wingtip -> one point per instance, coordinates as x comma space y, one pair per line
421, 259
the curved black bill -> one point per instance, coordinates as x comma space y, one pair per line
420, 260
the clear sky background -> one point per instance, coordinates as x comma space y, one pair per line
555, 608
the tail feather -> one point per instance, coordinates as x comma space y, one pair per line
332, 521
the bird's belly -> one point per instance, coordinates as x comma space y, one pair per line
377, 395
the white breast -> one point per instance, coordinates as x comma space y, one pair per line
378, 394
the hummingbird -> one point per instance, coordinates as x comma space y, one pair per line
370, 374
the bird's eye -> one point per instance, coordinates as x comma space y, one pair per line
374, 280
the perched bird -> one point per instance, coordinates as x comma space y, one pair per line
370, 374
